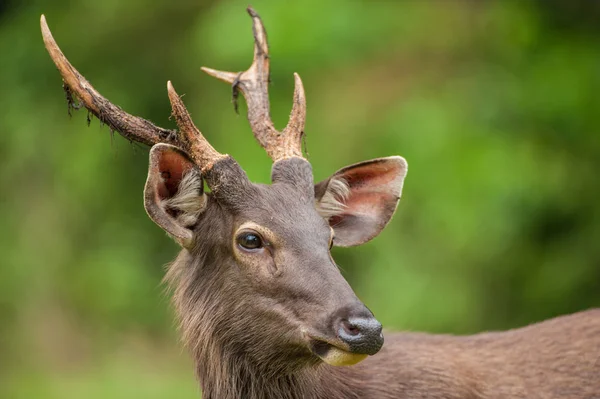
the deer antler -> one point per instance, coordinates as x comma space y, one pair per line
254, 86
134, 128
131, 127
198, 148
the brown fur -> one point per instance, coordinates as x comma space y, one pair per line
241, 325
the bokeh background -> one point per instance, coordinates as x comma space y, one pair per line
494, 104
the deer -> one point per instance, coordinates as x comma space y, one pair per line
262, 307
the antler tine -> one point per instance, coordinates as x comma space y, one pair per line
253, 84
295, 128
199, 149
131, 127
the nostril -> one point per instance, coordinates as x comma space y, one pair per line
350, 328
362, 335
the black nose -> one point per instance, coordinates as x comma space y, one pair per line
362, 334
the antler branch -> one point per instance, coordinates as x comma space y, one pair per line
131, 127
134, 128
253, 84
198, 148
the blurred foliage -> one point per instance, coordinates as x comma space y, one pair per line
494, 104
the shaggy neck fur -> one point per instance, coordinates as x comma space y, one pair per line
239, 377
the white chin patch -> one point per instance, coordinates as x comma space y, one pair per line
338, 357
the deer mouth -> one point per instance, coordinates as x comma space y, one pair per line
334, 354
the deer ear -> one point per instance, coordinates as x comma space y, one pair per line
174, 196
359, 200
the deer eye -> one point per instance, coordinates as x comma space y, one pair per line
249, 241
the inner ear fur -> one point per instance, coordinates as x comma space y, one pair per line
173, 196
359, 200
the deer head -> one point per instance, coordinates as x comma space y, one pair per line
255, 278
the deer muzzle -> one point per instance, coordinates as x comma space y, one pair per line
354, 337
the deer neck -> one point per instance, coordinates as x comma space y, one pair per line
234, 376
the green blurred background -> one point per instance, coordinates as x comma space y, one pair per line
495, 105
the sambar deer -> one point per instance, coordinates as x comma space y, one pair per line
263, 307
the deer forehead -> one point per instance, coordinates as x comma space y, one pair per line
282, 212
